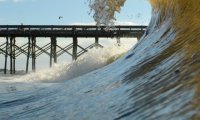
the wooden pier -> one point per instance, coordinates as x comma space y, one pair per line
11, 50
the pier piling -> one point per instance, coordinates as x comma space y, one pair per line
28, 54
33, 54
96, 42
75, 46
6, 56
53, 50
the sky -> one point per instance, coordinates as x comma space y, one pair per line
47, 12
72, 12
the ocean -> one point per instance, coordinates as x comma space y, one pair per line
158, 79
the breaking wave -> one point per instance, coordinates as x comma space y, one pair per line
90, 61
157, 80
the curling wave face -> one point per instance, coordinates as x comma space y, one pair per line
157, 79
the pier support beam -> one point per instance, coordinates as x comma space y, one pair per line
33, 54
75, 46
12, 55
14, 58
53, 51
28, 54
96, 42
139, 36
6, 56
118, 41
11, 66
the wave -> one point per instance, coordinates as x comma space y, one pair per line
157, 79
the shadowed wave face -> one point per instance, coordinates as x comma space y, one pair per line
169, 75
157, 80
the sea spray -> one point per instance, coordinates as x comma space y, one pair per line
104, 10
92, 60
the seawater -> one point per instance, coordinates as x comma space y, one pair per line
158, 79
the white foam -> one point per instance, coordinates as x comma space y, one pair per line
92, 60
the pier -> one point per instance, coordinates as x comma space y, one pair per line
31, 50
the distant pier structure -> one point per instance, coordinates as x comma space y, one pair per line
31, 50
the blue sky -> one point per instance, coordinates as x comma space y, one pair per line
73, 12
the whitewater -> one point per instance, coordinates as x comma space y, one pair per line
158, 79
92, 60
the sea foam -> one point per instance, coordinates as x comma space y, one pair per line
92, 60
